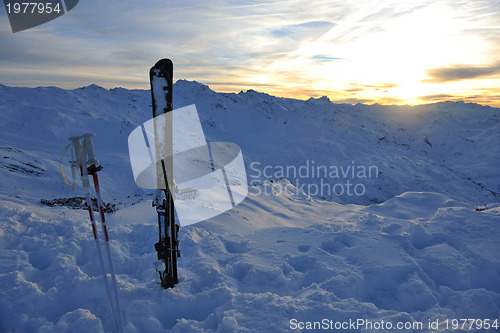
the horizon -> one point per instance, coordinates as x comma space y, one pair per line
266, 93
382, 52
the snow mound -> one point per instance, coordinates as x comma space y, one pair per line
412, 205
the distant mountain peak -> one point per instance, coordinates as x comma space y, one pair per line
322, 100
191, 84
93, 86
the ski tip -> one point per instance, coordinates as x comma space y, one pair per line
165, 62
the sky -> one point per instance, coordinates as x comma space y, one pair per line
386, 52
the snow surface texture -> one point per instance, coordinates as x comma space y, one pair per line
420, 244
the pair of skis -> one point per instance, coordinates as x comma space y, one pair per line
83, 150
167, 248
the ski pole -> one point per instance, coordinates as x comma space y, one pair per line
79, 162
89, 148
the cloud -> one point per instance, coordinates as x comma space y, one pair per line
488, 96
325, 58
354, 101
436, 97
208, 41
310, 29
461, 72
354, 90
382, 86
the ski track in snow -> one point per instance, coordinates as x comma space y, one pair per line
421, 245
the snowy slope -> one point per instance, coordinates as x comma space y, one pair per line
420, 244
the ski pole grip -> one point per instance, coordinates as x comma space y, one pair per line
79, 153
89, 148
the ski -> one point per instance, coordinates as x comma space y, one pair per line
161, 80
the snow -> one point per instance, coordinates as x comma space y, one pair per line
420, 244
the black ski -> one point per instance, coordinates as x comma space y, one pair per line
163, 70
161, 80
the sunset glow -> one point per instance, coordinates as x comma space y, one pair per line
383, 52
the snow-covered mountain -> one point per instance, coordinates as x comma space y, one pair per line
355, 212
